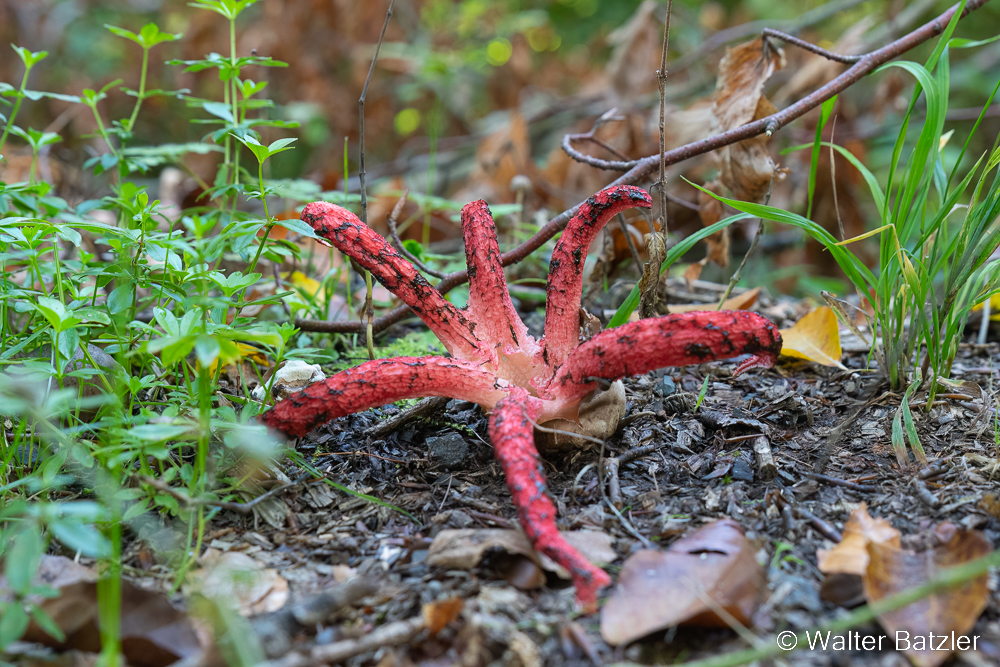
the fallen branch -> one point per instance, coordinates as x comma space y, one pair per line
639, 170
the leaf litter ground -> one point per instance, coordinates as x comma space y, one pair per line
697, 466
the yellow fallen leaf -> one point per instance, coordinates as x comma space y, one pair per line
308, 285
994, 307
815, 337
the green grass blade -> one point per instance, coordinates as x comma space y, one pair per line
824, 116
632, 300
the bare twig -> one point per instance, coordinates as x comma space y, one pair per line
369, 305
392, 220
639, 170
766, 469
808, 46
242, 508
836, 481
424, 408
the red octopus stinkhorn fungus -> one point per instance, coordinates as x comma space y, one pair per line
495, 362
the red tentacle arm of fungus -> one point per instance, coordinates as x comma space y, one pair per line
343, 229
378, 382
512, 434
672, 340
496, 360
489, 306
565, 283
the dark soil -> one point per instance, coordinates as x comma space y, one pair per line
441, 470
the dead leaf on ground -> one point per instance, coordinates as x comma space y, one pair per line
990, 503
893, 570
715, 567
153, 633
241, 581
599, 414
850, 555
464, 549
439, 613
815, 337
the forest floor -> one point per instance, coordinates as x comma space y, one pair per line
496, 606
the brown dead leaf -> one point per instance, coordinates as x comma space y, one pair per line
599, 414
711, 568
850, 556
464, 549
746, 167
990, 503
439, 613
693, 272
241, 581
153, 633
951, 613
712, 210
635, 55
815, 337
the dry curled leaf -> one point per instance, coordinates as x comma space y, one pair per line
893, 570
815, 337
714, 567
439, 613
850, 555
717, 244
746, 167
153, 633
241, 581
742, 301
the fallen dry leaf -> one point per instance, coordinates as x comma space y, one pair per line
850, 555
714, 567
464, 549
153, 633
746, 167
893, 570
439, 613
815, 337
240, 581
990, 503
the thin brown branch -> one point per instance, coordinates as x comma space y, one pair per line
640, 170
809, 46
392, 220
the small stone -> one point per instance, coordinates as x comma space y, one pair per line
666, 386
742, 472
450, 450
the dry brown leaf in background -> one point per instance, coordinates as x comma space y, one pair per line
815, 337
990, 503
241, 581
746, 167
850, 555
717, 245
153, 633
464, 549
439, 613
893, 570
741, 301
660, 589
635, 56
